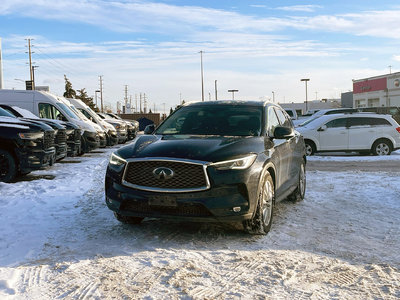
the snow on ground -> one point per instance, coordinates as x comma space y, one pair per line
59, 240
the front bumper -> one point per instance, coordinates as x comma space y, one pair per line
61, 150
224, 201
91, 141
32, 159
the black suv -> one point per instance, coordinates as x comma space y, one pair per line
210, 161
24, 146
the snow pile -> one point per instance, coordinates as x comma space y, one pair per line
59, 240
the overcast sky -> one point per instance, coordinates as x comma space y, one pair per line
254, 46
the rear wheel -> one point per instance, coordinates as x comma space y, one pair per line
300, 191
262, 218
8, 168
310, 148
128, 219
382, 147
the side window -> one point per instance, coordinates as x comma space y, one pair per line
337, 123
86, 114
48, 111
272, 121
379, 122
284, 118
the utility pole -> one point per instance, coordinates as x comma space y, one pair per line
202, 78
390, 69
273, 97
140, 101
126, 95
144, 103
30, 61
101, 92
136, 111
216, 95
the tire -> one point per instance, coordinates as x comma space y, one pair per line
128, 219
8, 168
381, 147
261, 221
299, 192
310, 148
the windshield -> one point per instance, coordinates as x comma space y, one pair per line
4, 113
67, 110
228, 120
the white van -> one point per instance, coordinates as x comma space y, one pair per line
100, 131
111, 132
46, 105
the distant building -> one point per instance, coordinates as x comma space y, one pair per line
312, 105
377, 91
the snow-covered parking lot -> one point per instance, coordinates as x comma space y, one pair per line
59, 240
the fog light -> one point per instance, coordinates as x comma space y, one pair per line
237, 209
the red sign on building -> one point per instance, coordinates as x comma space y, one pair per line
372, 85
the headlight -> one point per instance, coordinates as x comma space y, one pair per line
31, 135
116, 160
235, 164
69, 131
117, 126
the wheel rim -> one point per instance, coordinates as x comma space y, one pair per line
382, 149
4, 166
302, 180
309, 149
267, 202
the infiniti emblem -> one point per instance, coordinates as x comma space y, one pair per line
163, 173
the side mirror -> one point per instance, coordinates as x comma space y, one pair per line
283, 132
149, 129
322, 128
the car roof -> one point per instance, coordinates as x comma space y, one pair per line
229, 102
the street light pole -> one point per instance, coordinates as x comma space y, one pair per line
202, 79
95, 95
233, 93
306, 80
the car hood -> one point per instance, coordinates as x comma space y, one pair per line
201, 148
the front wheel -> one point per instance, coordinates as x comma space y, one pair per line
300, 190
261, 221
310, 148
8, 168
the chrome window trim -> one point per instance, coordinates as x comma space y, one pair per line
167, 159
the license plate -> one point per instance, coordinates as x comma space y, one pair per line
162, 201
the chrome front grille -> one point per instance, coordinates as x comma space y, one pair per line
187, 175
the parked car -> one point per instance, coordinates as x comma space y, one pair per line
48, 106
60, 132
119, 125
24, 146
362, 132
110, 131
210, 161
292, 113
323, 112
131, 126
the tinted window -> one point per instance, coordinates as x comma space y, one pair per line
336, 123
230, 120
290, 113
365, 121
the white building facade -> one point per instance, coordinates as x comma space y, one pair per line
377, 91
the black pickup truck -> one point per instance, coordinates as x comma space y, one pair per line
67, 135
24, 147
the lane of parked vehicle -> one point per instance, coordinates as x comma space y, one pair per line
38, 129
